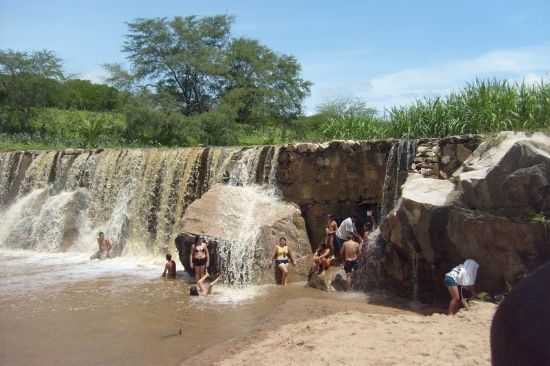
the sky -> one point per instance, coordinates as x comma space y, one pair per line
384, 52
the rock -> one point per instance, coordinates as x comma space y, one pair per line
509, 173
438, 224
333, 178
249, 216
333, 279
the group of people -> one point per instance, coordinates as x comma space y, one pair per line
342, 246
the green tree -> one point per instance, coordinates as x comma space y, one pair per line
27, 80
197, 62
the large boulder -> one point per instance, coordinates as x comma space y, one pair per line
509, 174
484, 213
242, 224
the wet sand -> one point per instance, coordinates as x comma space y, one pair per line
67, 311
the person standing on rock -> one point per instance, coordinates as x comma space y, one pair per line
350, 252
346, 229
169, 267
463, 275
330, 231
281, 256
200, 258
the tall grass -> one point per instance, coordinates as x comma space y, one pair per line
483, 106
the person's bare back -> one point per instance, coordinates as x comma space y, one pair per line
350, 250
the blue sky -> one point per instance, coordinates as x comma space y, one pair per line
386, 52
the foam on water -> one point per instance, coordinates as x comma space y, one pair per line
23, 270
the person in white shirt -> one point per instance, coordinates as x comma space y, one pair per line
346, 229
463, 275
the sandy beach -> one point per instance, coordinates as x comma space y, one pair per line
355, 337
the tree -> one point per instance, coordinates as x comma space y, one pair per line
182, 56
27, 80
261, 85
197, 62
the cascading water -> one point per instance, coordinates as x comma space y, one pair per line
57, 201
255, 173
400, 159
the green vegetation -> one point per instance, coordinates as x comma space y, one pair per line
191, 82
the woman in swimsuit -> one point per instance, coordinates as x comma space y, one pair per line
203, 287
281, 257
200, 258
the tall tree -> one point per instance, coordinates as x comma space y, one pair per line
27, 80
182, 56
197, 62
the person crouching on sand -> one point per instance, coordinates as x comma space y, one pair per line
169, 267
203, 287
464, 275
281, 256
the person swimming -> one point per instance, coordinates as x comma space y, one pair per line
203, 287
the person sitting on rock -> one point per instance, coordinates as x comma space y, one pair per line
200, 258
203, 287
169, 267
464, 275
350, 252
330, 231
346, 229
281, 256
322, 259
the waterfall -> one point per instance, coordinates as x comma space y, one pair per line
57, 201
400, 159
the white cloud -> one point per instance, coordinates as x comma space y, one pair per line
97, 76
530, 64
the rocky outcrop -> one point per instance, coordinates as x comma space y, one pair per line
510, 174
479, 214
332, 279
337, 178
242, 224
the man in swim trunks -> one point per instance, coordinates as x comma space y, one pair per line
169, 267
104, 247
347, 228
350, 252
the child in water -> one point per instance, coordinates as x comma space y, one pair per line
203, 287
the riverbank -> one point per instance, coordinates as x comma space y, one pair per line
355, 335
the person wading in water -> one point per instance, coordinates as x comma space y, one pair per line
200, 258
169, 267
281, 256
104, 247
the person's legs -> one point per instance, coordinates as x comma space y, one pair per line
283, 267
454, 304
